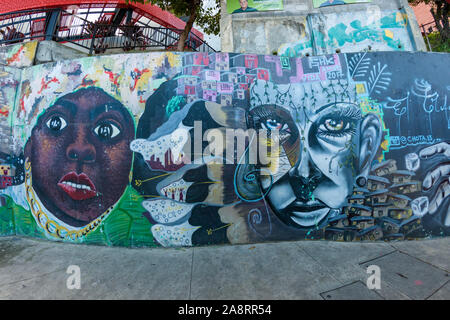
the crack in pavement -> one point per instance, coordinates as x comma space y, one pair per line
323, 266
379, 257
429, 263
448, 281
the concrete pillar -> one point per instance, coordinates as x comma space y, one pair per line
414, 25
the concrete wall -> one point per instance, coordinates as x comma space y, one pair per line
140, 149
51, 51
37, 52
300, 30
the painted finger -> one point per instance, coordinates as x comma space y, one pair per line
428, 152
435, 174
447, 218
441, 193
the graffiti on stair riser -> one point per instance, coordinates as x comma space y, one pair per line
359, 31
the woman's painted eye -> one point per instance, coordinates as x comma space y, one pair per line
106, 130
335, 124
271, 124
56, 123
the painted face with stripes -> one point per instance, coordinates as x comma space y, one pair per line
321, 152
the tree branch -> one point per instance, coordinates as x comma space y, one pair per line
188, 27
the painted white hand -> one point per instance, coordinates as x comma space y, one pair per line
435, 176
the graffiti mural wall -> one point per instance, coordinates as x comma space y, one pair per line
171, 149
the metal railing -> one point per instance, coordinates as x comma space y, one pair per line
23, 26
427, 29
96, 37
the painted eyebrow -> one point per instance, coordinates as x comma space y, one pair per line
334, 104
105, 107
261, 113
67, 104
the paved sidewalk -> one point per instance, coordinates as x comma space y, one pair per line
36, 269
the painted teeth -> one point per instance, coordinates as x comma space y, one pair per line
77, 186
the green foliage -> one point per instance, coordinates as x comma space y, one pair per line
440, 10
415, 2
7, 217
207, 18
24, 222
126, 224
437, 44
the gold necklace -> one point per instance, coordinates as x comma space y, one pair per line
52, 227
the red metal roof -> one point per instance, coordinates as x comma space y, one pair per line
162, 17
423, 14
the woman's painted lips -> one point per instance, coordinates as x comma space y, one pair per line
78, 187
307, 214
